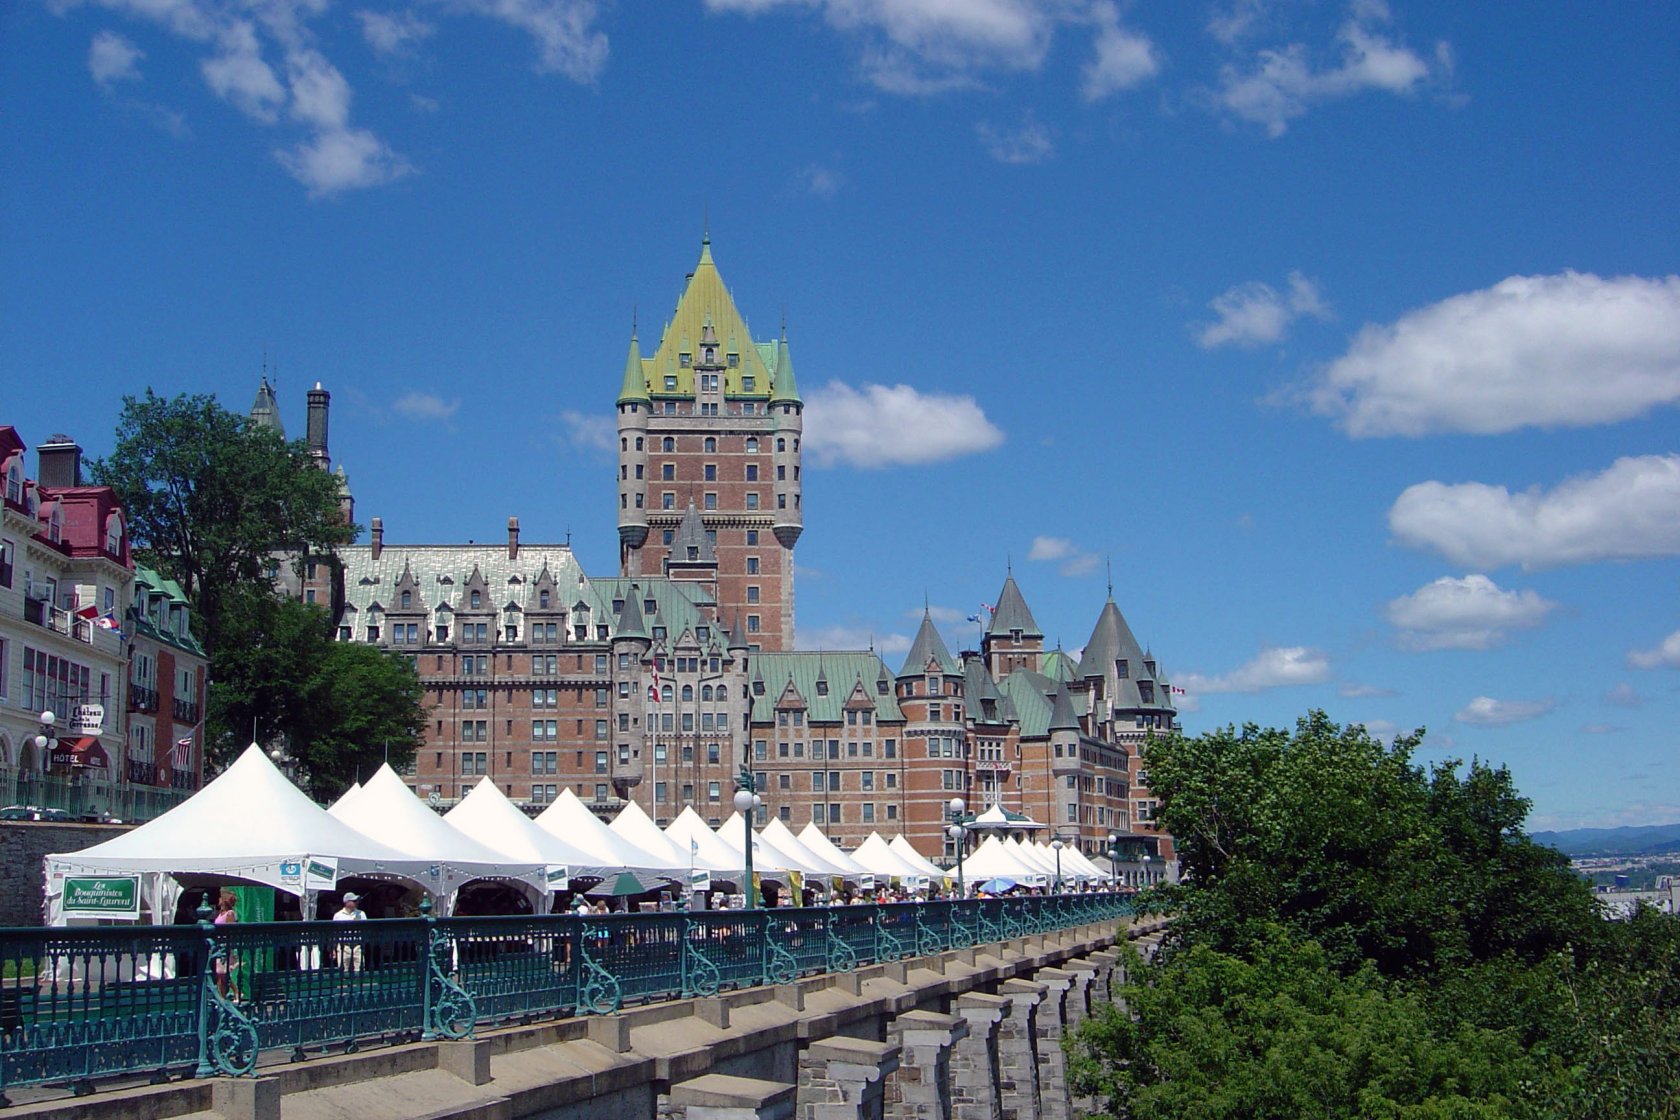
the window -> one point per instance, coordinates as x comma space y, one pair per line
781, 501
752, 472
8, 551
709, 472
868, 812
752, 624
868, 780
752, 499
752, 538
477, 600
668, 472
600, 729
752, 593
819, 782
711, 501
600, 762
685, 360
714, 791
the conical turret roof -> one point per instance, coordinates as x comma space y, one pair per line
1011, 613
928, 646
1062, 717
635, 377
265, 411
691, 545
630, 623
785, 388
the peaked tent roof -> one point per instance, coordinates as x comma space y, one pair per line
635, 381
928, 646
812, 837
999, 817
908, 853
486, 815
635, 827
767, 860
571, 820
782, 837
1011, 613
877, 856
710, 852
246, 823
994, 860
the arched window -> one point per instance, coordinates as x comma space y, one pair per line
781, 444
55, 524
638, 443
623, 444
711, 444
752, 444
667, 444
14, 481
688, 693
665, 694
477, 600
542, 599
706, 692
407, 599
114, 534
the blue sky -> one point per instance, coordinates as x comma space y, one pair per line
1346, 335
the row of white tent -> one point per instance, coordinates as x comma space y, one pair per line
251, 823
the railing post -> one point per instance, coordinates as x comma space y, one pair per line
206, 979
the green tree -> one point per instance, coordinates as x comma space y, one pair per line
211, 497
343, 707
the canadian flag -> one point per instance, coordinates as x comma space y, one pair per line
88, 612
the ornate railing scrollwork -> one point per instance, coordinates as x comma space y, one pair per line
229, 1044
700, 976
841, 956
887, 945
927, 941
780, 967
598, 991
451, 1010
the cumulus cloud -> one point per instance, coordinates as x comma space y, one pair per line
1631, 511
1485, 711
1256, 313
239, 74
1028, 142
1285, 83
566, 38
113, 59
393, 33
1665, 655
1352, 690
590, 431
893, 425
1469, 613
1383, 730
1073, 560
340, 159
1125, 58
843, 637
424, 406
1624, 696
1564, 351
1277, 667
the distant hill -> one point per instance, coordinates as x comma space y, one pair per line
1645, 840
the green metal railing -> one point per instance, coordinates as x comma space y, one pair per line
85, 1003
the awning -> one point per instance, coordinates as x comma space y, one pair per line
85, 753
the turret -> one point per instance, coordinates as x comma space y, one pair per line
265, 411
633, 409
787, 413
319, 400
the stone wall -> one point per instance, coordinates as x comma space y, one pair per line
23, 844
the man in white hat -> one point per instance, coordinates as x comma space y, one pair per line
350, 956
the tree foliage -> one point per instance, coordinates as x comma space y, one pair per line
1356, 935
343, 707
210, 498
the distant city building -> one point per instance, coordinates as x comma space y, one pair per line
658, 685
68, 642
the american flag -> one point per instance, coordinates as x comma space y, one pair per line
180, 755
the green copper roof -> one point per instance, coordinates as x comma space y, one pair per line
630, 623
1061, 711
1057, 665
928, 646
786, 389
845, 674
680, 606
706, 311
1111, 642
635, 381
1031, 694
161, 594
1011, 613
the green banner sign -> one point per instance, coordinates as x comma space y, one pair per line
115, 896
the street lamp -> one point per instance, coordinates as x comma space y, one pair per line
1056, 846
1114, 859
958, 831
746, 800
47, 736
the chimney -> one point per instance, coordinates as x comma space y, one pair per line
513, 538
376, 536
319, 398
61, 462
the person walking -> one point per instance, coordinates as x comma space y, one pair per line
227, 965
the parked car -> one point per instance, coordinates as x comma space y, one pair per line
33, 813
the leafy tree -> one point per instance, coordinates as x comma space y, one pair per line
210, 498
342, 706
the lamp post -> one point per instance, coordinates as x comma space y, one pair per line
48, 735
958, 831
1114, 859
1056, 846
746, 800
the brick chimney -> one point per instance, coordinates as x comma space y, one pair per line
61, 462
376, 536
513, 538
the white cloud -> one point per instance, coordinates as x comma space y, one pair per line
1665, 655
1277, 667
112, 59
1631, 511
1125, 59
885, 426
841, 637
1029, 142
1236, 21
1624, 695
819, 181
1382, 730
590, 431
342, 159
567, 42
1256, 313
1485, 711
393, 33
320, 95
1564, 351
1355, 691
239, 75
1073, 560
424, 406
1469, 613
1284, 83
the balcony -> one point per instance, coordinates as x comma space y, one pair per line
186, 712
142, 699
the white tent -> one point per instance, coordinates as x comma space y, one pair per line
999, 817
345, 798
908, 853
486, 815
811, 836
784, 840
571, 820
882, 861
994, 860
767, 860
1030, 856
710, 852
386, 807
635, 827
249, 823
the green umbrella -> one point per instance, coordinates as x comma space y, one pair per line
624, 884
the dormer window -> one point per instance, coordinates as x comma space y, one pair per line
749, 383
671, 382
14, 483
822, 688
55, 525
650, 606
542, 600
685, 360
407, 598
1122, 669
476, 600
734, 361
114, 535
